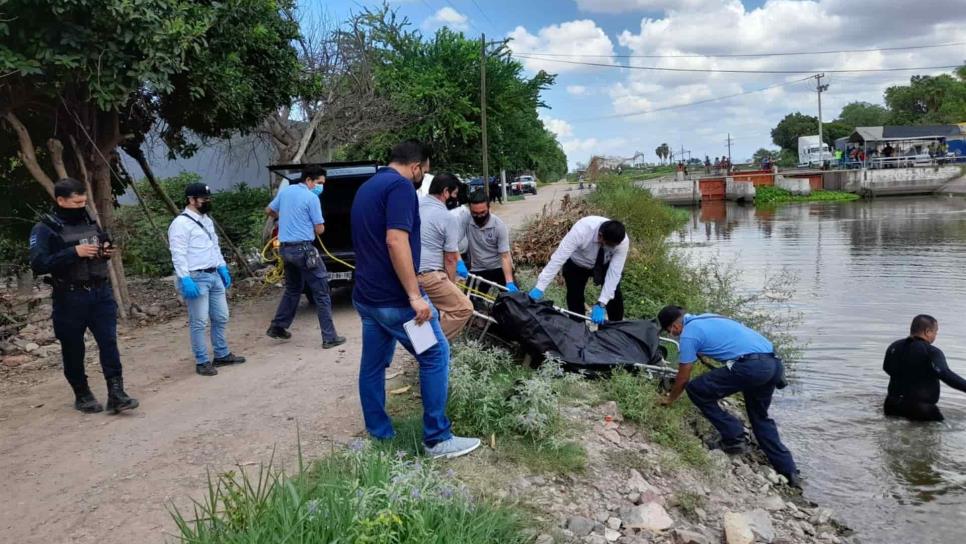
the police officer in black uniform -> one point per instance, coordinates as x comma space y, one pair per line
72, 248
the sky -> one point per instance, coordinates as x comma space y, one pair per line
608, 109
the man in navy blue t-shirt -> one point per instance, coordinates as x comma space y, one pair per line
386, 241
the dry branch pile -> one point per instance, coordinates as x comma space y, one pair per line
537, 240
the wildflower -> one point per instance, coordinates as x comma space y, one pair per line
360, 493
357, 445
312, 507
415, 494
400, 455
446, 493
450, 473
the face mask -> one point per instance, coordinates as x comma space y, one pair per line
204, 207
452, 203
481, 220
72, 215
317, 190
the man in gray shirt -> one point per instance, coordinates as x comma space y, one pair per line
489, 244
440, 235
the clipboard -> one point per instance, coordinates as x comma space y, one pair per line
421, 337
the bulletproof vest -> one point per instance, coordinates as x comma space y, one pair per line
70, 235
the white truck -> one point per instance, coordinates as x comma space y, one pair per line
810, 154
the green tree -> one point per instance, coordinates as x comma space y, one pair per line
863, 114
763, 154
117, 68
929, 99
435, 82
785, 134
835, 130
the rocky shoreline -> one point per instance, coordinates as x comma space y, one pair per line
631, 492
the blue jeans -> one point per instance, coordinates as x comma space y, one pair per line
76, 311
211, 306
756, 378
297, 276
381, 329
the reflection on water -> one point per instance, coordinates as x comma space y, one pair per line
864, 270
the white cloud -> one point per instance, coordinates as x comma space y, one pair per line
447, 17
558, 126
570, 41
624, 6
578, 90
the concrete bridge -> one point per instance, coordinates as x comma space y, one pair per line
740, 186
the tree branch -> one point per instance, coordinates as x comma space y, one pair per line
27, 153
56, 149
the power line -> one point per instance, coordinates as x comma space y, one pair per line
728, 71
485, 16
689, 104
752, 55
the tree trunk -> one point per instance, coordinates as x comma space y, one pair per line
103, 199
138, 155
25, 282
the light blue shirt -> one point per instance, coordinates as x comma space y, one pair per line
720, 338
299, 210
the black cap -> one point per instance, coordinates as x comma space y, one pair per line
668, 315
197, 189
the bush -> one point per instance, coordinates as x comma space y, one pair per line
361, 495
239, 211
766, 195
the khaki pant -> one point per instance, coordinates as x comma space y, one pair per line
454, 308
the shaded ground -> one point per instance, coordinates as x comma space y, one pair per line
74, 478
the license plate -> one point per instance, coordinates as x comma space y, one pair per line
336, 276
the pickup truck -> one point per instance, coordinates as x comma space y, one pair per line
525, 184
342, 181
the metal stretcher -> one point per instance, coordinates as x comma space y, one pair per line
476, 288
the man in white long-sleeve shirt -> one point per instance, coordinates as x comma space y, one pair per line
203, 278
595, 247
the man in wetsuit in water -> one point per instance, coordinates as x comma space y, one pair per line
915, 367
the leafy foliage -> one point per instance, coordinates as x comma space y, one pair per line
437, 82
766, 195
863, 114
785, 135
929, 99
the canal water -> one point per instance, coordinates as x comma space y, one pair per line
863, 270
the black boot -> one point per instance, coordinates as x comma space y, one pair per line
117, 399
85, 402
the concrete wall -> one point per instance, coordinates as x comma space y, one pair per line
739, 190
796, 186
684, 192
900, 181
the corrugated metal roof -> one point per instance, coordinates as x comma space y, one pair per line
905, 132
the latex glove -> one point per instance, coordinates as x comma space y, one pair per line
225, 276
512, 287
461, 270
597, 314
536, 294
189, 289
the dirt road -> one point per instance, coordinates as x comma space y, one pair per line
73, 478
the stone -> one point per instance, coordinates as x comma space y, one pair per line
31, 346
807, 527
637, 483
611, 435
773, 503
821, 516
602, 516
614, 523
611, 535
797, 529
634, 498
544, 539
11, 361
610, 409
153, 310
690, 537
701, 514
772, 476
595, 539
737, 530
760, 523
580, 526
651, 516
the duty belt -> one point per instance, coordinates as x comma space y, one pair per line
78, 285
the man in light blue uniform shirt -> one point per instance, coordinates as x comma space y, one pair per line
751, 368
299, 213
203, 278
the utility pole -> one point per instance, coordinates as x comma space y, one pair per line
820, 88
729, 147
486, 170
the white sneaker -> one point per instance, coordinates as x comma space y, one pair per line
454, 447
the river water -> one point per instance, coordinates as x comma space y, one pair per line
863, 270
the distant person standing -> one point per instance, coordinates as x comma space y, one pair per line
915, 367
72, 248
750, 367
386, 233
203, 279
717, 165
489, 244
595, 247
707, 165
299, 213
440, 236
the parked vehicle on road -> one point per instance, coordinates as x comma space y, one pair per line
525, 184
